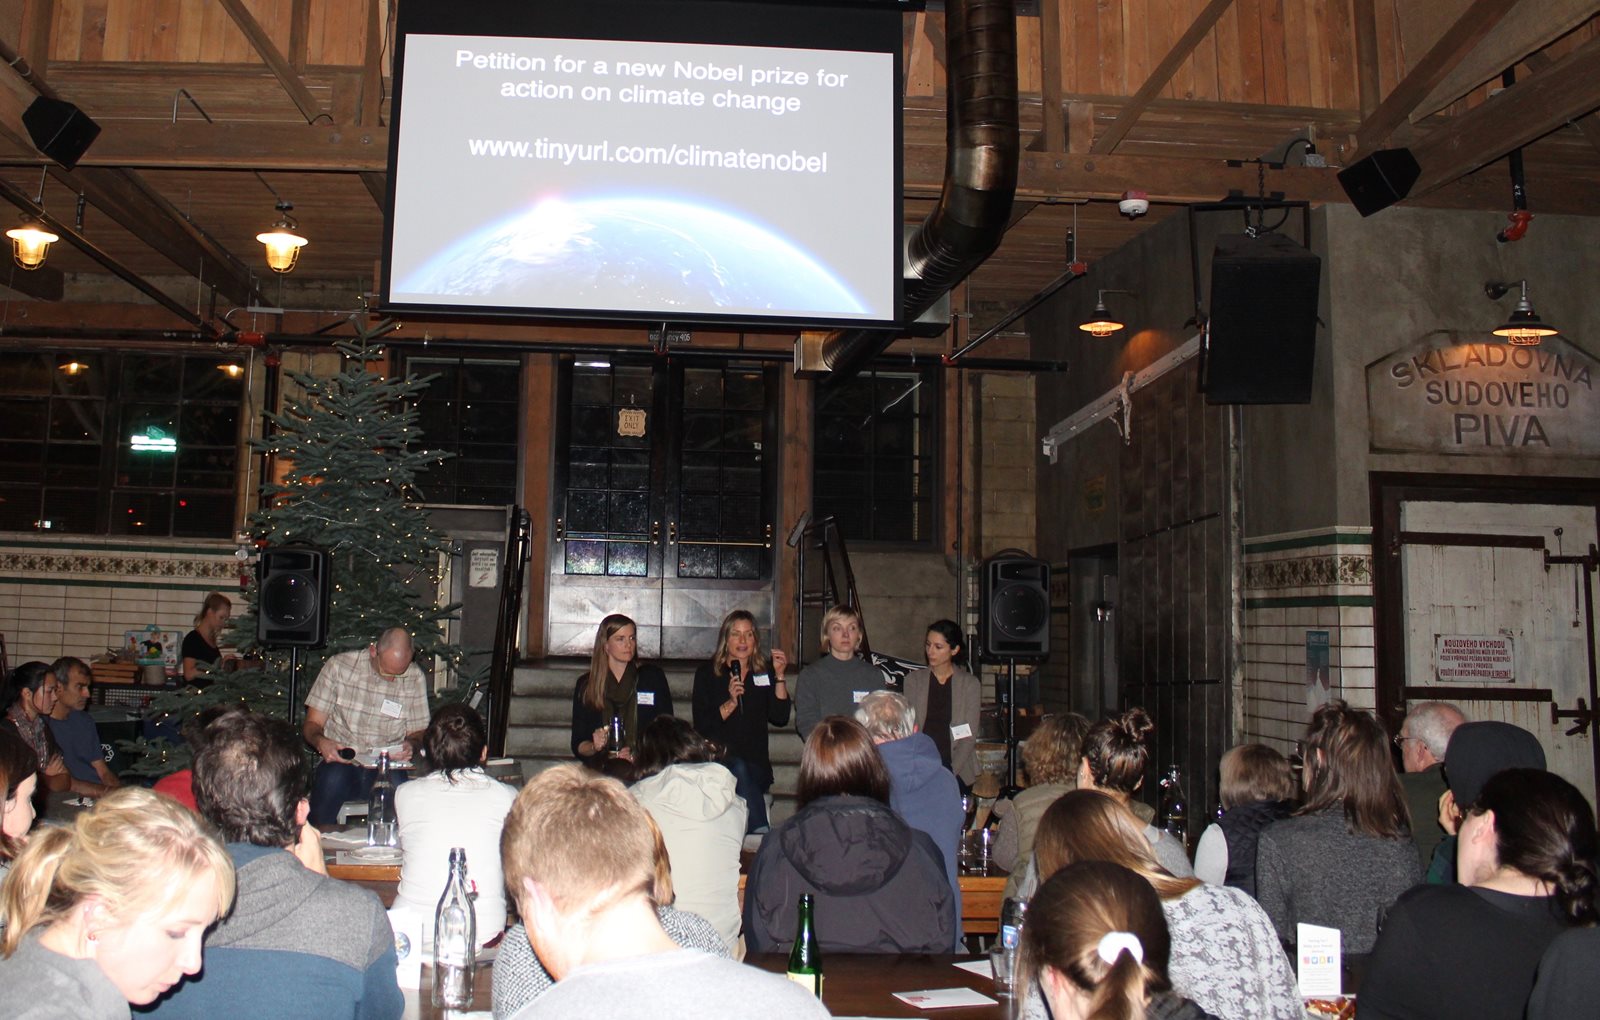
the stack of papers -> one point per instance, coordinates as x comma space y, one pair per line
944, 998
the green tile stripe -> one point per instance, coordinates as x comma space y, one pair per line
1309, 601
75, 547
1307, 541
70, 582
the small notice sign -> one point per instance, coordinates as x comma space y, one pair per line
483, 568
1474, 658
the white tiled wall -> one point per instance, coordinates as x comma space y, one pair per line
77, 595
1318, 582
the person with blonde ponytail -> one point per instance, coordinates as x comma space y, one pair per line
1097, 945
110, 910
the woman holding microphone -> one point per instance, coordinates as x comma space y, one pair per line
737, 695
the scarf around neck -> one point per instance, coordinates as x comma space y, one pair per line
621, 699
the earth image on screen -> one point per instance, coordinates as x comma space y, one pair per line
632, 252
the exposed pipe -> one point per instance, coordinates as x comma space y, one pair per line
1520, 217
980, 173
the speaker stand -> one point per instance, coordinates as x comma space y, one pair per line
294, 683
1011, 788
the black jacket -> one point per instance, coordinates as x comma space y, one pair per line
879, 885
652, 683
744, 733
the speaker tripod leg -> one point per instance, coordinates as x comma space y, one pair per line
1011, 789
294, 683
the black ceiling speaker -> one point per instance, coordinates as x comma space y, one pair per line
59, 130
292, 602
1262, 330
1016, 607
1380, 180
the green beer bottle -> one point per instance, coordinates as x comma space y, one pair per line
805, 958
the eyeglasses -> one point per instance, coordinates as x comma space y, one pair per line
1400, 740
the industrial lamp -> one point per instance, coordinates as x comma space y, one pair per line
30, 242
1101, 321
282, 243
1524, 328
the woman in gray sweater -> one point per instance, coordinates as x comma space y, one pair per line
1346, 855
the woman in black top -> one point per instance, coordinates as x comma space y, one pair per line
737, 695
616, 685
1526, 861
200, 649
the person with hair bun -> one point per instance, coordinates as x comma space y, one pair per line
1346, 855
947, 700
1115, 757
879, 884
455, 804
1525, 857
110, 910
1097, 944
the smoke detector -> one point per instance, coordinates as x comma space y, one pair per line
1134, 204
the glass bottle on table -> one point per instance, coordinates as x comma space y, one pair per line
381, 828
1174, 813
805, 956
455, 938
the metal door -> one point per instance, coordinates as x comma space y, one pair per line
664, 499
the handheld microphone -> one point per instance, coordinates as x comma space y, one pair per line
736, 671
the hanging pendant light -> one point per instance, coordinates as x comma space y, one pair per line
1101, 322
282, 242
1524, 328
30, 243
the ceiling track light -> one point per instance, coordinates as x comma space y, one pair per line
1524, 328
1101, 322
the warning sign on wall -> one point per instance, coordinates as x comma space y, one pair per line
1474, 658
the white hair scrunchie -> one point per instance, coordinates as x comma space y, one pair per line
1114, 942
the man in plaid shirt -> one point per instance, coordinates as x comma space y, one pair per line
363, 702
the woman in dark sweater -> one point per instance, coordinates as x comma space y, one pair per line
1526, 860
616, 685
737, 695
1346, 855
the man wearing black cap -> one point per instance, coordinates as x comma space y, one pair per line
1477, 751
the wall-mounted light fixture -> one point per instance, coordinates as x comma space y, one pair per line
74, 367
1524, 328
1101, 321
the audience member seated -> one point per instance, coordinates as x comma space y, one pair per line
456, 804
297, 942
1526, 860
28, 699
1097, 944
19, 776
583, 891
75, 733
737, 695
948, 700
879, 884
616, 685
1257, 789
835, 683
921, 790
1346, 855
1050, 757
109, 910
1115, 757
179, 785
693, 801
1225, 955
201, 653
1476, 751
1569, 976
519, 977
1423, 738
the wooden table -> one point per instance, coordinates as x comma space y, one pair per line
981, 896
865, 985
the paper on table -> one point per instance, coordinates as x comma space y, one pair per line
943, 998
1317, 950
979, 967
345, 839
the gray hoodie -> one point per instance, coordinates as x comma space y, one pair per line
702, 821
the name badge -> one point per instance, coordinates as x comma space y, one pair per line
962, 732
762, 679
647, 698
390, 708
858, 695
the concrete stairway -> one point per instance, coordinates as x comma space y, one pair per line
539, 731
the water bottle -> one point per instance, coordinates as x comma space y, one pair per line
381, 829
455, 938
1174, 812
616, 733
1013, 912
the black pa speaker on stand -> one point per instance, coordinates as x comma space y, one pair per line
1015, 624
292, 584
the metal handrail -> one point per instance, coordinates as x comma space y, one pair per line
502, 668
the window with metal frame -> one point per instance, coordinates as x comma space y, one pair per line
875, 456
472, 411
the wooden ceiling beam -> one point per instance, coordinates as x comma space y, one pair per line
1537, 24
1565, 91
371, 108
1365, 16
377, 186
240, 145
43, 283
1134, 108
33, 38
275, 60
1588, 124
1054, 135
1457, 41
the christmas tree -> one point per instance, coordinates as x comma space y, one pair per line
351, 450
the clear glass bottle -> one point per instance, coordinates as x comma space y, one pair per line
1174, 811
381, 828
616, 733
455, 938
805, 956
